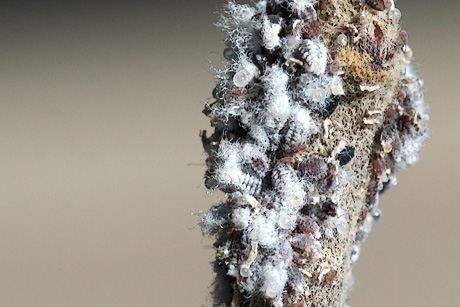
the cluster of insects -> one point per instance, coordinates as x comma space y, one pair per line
274, 150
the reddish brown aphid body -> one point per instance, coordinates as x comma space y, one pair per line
240, 91
312, 28
314, 168
330, 276
378, 165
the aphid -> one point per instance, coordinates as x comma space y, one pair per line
390, 115
378, 164
377, 46
215, 219
210, 162
326, 183
335, 65
250, 184
314, 56
330, 105
312, 27
331, 276
256, 16
328, 208
302, 240
287, 160
396, 146
255, 161
314, 168
364, 213
389, 139
389, 163
259, 165
282, 174
207, 109
378, 5
288, 186
299, 259
372, 194
297, 130
295, 278
346, 155
308, 15
229, 54
210, 182
404, 37
301, 147
388, 3
308, 226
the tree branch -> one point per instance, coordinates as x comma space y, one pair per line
316, 109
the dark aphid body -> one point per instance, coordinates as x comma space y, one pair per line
316, 170
312, 27
329, 106
346, 155
282, 174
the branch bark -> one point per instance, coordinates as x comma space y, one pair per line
316, 109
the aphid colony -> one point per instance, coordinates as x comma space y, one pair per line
287, 134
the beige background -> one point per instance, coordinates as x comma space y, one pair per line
101, 163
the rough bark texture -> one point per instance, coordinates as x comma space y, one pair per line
316, 109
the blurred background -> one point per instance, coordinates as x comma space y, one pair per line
101, 164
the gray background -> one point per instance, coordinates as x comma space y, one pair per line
101, 163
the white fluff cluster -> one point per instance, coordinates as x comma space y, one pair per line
260, 115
